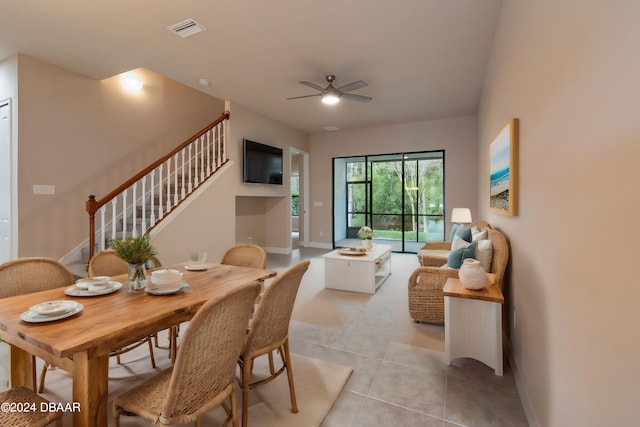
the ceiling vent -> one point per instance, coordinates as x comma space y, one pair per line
186, 28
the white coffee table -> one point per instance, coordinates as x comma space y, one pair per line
357, 273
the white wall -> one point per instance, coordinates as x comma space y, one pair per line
570, 72
273, 231
457, 136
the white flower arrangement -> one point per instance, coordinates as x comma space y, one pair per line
365, 233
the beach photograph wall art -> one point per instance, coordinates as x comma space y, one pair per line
503, 158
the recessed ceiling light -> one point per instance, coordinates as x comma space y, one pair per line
204, 82
331, 128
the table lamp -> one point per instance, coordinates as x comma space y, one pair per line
461, 216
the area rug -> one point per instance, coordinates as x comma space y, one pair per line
318, 384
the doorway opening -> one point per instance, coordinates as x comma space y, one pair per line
299, 199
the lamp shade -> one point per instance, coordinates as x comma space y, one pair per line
461, 216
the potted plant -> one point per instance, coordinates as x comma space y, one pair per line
366, 234
135, 251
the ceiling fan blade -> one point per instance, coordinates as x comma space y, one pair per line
352, 86
305, 96
315, 86
354, 97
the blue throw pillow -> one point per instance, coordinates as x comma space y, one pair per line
454, 228
461, 230
456, 256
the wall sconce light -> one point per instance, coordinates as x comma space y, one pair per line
132, 83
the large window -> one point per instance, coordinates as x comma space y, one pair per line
401, 196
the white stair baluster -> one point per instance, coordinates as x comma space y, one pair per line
183, 189
103, 231
152, 191
217, 146
168, 181
134, 209
175, 179
202, 158
114, 214
143, 215
124, 214
209, 143
160, 213
189, 166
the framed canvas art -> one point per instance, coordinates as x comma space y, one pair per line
503, 170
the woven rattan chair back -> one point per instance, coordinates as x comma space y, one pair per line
269, 331
270, 325
245, 255
203, 375
481, 225
500, 256
107, 263
26, 275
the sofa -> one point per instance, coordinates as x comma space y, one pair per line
435, 254
426, 299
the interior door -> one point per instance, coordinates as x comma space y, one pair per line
6, 171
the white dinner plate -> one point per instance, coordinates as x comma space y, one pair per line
52, 308
182, 287
75, 291
33, 317
196, 267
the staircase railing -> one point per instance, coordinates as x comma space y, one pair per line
150, 195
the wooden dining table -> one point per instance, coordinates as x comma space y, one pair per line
80, 344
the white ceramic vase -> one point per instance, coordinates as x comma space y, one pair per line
472, 275
367, 244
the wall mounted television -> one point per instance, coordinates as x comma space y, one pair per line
262, 164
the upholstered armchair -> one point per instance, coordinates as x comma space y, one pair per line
426, 299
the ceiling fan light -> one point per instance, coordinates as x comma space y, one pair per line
330, 98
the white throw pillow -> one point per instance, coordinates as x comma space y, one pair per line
458, 243
484, 254
479, 235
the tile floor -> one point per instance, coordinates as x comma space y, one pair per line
400, 377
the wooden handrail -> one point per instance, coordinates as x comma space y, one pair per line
93, 205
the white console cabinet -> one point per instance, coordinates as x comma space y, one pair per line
357, 273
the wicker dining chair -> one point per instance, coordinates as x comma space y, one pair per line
27, 399
108, 263
269, 331
245, 255
202, 376
32, 274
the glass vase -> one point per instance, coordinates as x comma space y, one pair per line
137, 277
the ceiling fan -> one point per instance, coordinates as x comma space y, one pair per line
332, 95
